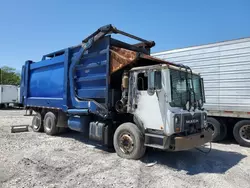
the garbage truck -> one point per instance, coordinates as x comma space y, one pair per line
225, 68
116, 94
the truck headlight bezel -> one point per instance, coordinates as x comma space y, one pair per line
200, 102
205, 120
177, 120
177, 123
188, 105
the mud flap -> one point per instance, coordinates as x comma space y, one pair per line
30, 112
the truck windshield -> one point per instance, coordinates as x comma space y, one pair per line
180, 87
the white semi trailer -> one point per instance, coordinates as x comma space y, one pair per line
225, 68
8, 95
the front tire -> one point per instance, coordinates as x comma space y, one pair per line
241, 132
129, 141
49, 123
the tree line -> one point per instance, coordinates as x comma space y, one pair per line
9, 76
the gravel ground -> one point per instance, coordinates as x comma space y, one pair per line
31, 159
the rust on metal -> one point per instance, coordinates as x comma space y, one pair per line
120, 58
160, 61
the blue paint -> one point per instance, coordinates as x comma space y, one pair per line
65, 87
80, 124
45, 81
44, 102
22, 84
62, 80
85, 83
78, 111
75, 78
47, 63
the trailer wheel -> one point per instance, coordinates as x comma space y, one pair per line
241, 132
215, 126
37, 123
223, 131
129, 141
50, 124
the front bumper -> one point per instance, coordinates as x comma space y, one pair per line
192, 141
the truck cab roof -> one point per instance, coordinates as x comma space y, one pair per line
161, 66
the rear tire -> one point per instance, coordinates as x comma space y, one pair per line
215, 127
37, 123
50, 124
223, 131
241, 132
129, 141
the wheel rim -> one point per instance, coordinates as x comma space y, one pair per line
211, 127
48, 124
37, 122
245, 133
126, 143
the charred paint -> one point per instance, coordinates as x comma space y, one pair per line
121, 57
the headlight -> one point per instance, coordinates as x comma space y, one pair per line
205, 120
188, 105
177, 120
205, 116
177, 123
200, 103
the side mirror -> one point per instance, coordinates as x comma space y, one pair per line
154, 81
151, 83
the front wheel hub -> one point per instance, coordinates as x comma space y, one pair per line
126, 143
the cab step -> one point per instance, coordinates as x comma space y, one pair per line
154, 146
155, 140
154, 135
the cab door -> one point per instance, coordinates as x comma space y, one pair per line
145, 100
